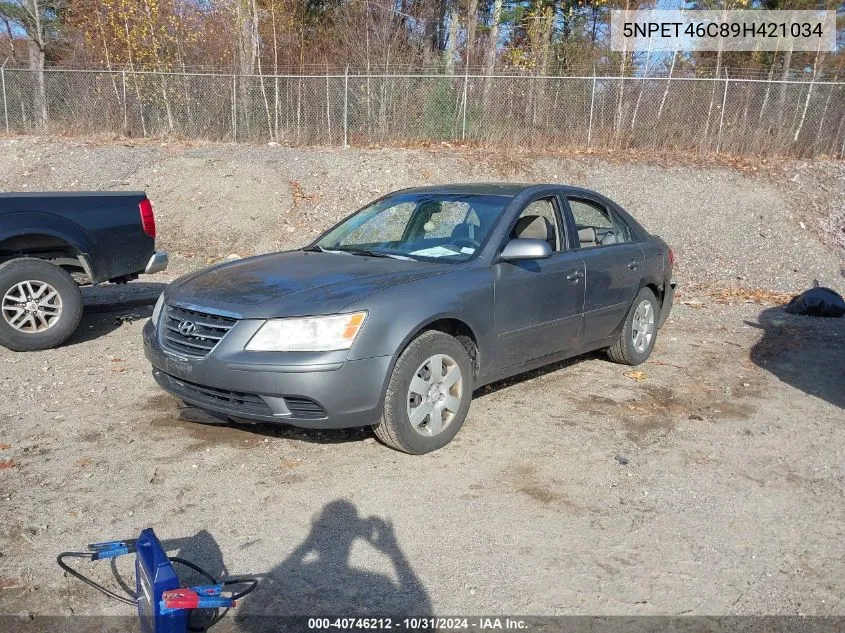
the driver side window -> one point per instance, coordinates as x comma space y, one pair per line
596, 225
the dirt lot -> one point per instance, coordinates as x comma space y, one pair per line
730, 500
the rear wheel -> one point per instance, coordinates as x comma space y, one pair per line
639, 332
40, 305
428, 395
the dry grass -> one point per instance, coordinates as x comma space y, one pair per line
732, 296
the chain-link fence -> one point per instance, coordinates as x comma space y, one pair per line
735, 116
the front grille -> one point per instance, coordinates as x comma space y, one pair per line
196, 341
234, 401
304, 408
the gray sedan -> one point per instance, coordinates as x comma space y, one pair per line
393, 317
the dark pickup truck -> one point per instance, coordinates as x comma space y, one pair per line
51, 243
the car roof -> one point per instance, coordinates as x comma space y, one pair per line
493, 188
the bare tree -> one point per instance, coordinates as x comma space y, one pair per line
472, 21
452, 40
247, 51
492, 45
39, 19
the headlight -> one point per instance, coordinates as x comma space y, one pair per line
309, 334
157, 310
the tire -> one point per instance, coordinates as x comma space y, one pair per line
629, 349
58, 316
405, 428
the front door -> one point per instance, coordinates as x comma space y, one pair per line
538, 303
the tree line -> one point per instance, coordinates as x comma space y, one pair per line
543, 37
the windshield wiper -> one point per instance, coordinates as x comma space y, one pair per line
366, 253
314, 248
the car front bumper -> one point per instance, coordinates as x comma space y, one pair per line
256, 386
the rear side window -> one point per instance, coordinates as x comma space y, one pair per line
597, 226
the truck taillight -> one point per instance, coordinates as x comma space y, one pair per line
148, 221
671, 257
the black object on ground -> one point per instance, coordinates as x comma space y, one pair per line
818, 301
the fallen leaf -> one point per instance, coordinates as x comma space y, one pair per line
290, 463
5, 464
3, 447
82, 462
10, 583
117, 360
118, 370
637, 375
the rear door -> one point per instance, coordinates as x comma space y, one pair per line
538, 303
613, 259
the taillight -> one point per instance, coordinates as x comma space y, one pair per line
671, 257
148, 221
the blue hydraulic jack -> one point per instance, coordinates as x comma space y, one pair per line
163, 604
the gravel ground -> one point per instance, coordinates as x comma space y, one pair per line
713, 485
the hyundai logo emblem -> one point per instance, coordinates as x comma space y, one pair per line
187, 328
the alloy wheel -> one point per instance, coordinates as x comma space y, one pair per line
434, 395
642, 326
31, 306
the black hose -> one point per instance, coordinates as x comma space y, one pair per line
251, 582
111, 594
195, 567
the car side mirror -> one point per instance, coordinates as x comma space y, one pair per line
523, 248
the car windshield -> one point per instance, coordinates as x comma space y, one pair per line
426, 226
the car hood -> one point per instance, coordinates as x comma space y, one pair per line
294, 283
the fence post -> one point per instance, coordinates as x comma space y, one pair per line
592, 104
234, 108
842, 151
464, 122
722, 115
328, 106
345, 107
125, 113
5, 103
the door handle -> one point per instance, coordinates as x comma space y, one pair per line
575, 275
634, 264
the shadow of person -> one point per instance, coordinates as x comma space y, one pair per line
804, 352
202, 550
316, 580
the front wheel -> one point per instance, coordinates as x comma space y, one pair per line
40, 305
639, 332
428, 395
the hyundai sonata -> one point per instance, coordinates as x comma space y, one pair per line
394, 316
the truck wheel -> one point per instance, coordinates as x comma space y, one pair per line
428, 395
639, 332
40, 305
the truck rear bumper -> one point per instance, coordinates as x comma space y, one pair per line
157, 263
